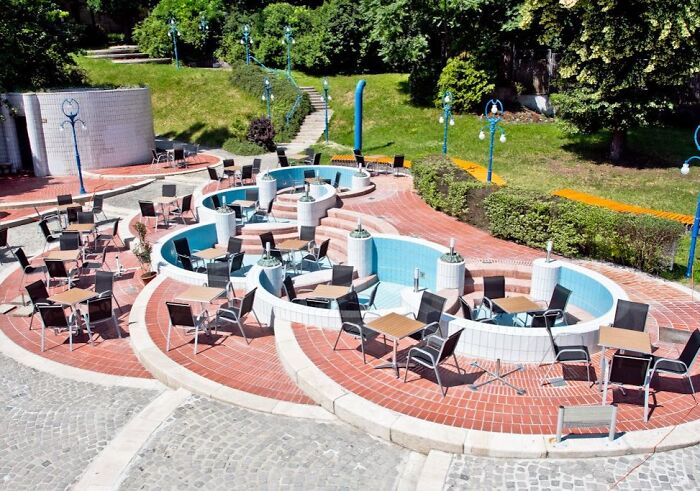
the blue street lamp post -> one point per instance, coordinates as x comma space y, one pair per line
289, 39
268, 96
446, 118
203, 25
326, 99
70, 109
685, 170
494, 114
174, 33
245, 41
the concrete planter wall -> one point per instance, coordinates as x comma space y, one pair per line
271, 278
545, 276
360, 255
360, 182
316, 191
309, 213
225, 227
267, 190
450, 276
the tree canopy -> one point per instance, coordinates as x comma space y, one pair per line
36, 41
623, 61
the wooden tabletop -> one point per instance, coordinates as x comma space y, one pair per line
65, 207
201, 294
516, 305
396, 326
211, 253
80, 227
232, 168
244, 203
314, 180
64, 255
329, 291
72, 296
164, 200
293, 245
625, 339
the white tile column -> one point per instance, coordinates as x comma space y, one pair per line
545, 276
360, 255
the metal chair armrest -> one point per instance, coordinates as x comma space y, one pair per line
432, 324
669, 360
426, 353
370, 312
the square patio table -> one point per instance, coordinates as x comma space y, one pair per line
83, 228
73, 255
211, 253
201, 294
329, 291
244, 203
72, 296
396, 327
516, 305
292, 246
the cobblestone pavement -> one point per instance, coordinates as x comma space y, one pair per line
53, 427
677, 469
209, 445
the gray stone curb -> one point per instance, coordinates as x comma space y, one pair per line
425, 436
435, 470
176, 376
108, 469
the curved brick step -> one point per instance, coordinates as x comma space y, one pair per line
286, 207
372, 223
275, 228
347, 225
357, 192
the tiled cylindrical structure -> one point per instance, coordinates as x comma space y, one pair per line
360, 255
545, 276
225, 227
309, 213
360, 182
316, 191
271, 278
450, 276
267, 190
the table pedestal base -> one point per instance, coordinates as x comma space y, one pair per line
498, 376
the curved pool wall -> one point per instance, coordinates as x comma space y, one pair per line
394, 259
289, 176
591, 291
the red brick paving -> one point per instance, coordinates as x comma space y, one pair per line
15, 189
226, 358
201, 161
493, 407
109, 354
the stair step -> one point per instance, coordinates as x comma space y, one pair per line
125, 48
516, 285
119, 56
139, 61
371, 223
256, 229
292, 215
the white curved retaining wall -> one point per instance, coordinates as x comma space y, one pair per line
309, 213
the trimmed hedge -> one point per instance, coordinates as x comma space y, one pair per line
643, 242
251, 78
577, 230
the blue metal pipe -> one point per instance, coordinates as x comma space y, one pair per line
358, 113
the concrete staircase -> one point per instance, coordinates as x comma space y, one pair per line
314, 125
125, 54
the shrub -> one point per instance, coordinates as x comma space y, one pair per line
262, 133
251, 78
644, 242
421, 82
242, 147
468, 84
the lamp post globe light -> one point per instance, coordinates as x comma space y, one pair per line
446, 118
71, 109
268, 96
174, 33
494, 114
203, 24
326, 99
245, 41
289, 40
685, 170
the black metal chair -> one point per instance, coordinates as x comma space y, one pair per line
97, 206
96, 262
38, 295
181, 317
69, 241
309, 174
4, 246
227, 164
468, 314
494, 287
104, 286
179, 157
631, 315
317, 159
308, 233
218, 276
556, 310
185, 207
148, 211
169, 190
236, 264
682, 364
235, 245
215, 201
86, 217
158, 157
575, 353
265, 212
433, 353
72, 213
49, 236
233, 314
352, 322
398, 164
214, 176
342, 275
319, 303
189, 265
336, 181
429, 313
54, 317
283, 160
100, 310
246, 174
371, 298
57, 272
64, 199
26, 267
267, 238
319, 255
182, 249
257, 163
109, 236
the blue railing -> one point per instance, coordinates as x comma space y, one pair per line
300, 94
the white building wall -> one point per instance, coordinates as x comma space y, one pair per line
9, 131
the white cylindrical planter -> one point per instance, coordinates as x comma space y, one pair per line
360, 182
306, 214
545, 276
272, 277
316, 191
450, 276
267, 190
360, 255
225, 226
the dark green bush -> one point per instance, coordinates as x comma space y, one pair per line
644, 242
251, 79
262, 133
242, 147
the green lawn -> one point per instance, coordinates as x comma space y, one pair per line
189, 104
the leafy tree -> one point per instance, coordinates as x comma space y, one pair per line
123, 12
466, 81
622, 62
152, 33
